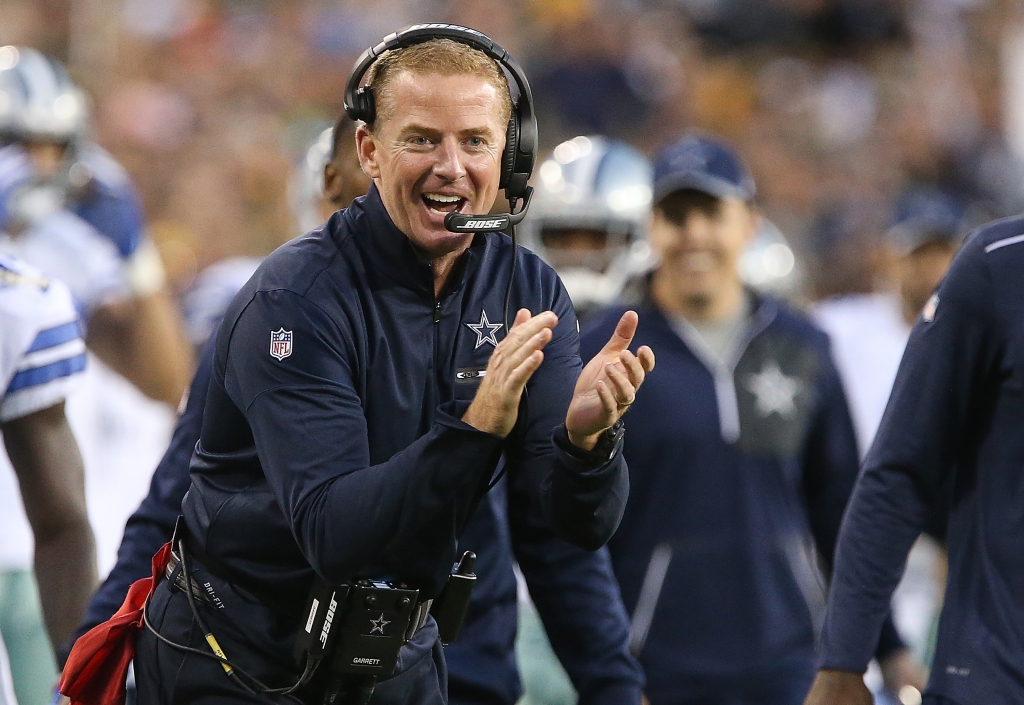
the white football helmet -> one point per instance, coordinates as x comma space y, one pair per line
306, 186
590, 216
38, 101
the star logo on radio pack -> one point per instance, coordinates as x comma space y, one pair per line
379, 624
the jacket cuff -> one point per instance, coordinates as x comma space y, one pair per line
583, 462
450, 414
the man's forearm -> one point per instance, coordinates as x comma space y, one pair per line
885, 517
65, 565
142, 340
51, 477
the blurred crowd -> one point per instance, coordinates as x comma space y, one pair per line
838, 105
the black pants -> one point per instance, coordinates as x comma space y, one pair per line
252, 637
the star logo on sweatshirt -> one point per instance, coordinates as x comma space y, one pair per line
775, 392
486, 332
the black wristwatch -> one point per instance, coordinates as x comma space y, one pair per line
603, 451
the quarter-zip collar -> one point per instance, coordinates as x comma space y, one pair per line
394, 254
722, 371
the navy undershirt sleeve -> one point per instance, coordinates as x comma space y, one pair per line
908, 466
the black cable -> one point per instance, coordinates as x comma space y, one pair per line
515, 256
205, 654
218, 654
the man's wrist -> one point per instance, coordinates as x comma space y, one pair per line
607, 444
583, 442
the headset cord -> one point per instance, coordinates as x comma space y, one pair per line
233, 670
508, 298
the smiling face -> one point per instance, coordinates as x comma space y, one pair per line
700, 239
438, 151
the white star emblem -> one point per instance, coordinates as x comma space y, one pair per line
486, 332
775, 392
379, 624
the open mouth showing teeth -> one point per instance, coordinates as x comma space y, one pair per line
441, 203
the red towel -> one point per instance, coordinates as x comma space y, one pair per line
98, 665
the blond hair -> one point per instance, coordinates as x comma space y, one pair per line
442, 56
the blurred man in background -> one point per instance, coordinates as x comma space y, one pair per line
70, 210
42, 356
742, 458
50, 165
869, 331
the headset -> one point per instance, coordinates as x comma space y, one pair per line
520, 153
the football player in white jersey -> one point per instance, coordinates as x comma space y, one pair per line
42, 357
69, 209
51, 165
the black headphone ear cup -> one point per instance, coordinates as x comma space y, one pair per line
365, 107
508, 157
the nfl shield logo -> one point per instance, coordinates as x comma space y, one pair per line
280, 343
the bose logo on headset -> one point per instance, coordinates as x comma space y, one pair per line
475, 224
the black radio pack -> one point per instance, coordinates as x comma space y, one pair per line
368, 620
356, 631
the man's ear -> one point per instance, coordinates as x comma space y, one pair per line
331, 177
366, 147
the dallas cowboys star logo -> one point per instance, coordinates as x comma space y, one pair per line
379, 624
775, 392
486, 332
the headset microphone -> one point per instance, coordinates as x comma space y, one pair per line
467, 223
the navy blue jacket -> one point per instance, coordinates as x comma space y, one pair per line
738, 471
589, 634
951, 439
574, 589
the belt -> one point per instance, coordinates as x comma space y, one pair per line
177, 577
206, 594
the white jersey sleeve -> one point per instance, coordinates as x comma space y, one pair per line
67, 248
41, 349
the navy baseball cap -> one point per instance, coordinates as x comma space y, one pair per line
702, 164
922, 215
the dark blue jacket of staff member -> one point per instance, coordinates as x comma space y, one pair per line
951, 440
574, 589
738, 472
332, 442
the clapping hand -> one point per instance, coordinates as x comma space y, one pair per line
608, 385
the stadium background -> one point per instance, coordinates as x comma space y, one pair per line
209, 104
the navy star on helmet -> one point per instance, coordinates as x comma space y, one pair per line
38, 101
592, 183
